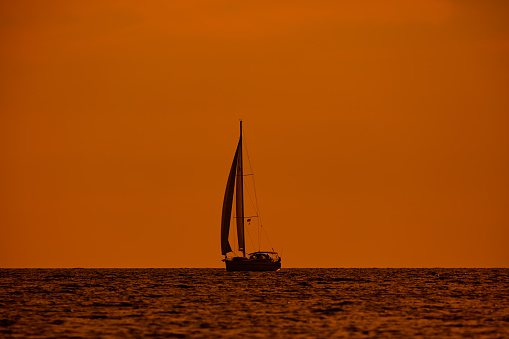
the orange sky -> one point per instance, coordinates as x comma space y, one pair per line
378, 131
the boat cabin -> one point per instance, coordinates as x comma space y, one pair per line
265, 256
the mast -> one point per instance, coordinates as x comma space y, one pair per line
240, 197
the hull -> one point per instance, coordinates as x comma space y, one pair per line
252, 265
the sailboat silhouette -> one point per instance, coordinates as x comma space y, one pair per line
256, 261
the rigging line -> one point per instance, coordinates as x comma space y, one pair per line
257, 207
244, 141
252, 202
258, 228
255, 203
267, 236
249, 235
258, 224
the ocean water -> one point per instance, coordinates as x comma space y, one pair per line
291, 303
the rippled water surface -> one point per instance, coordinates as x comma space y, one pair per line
292, 303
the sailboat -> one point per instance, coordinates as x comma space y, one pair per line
255, 261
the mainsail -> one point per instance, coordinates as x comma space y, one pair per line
235, 184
